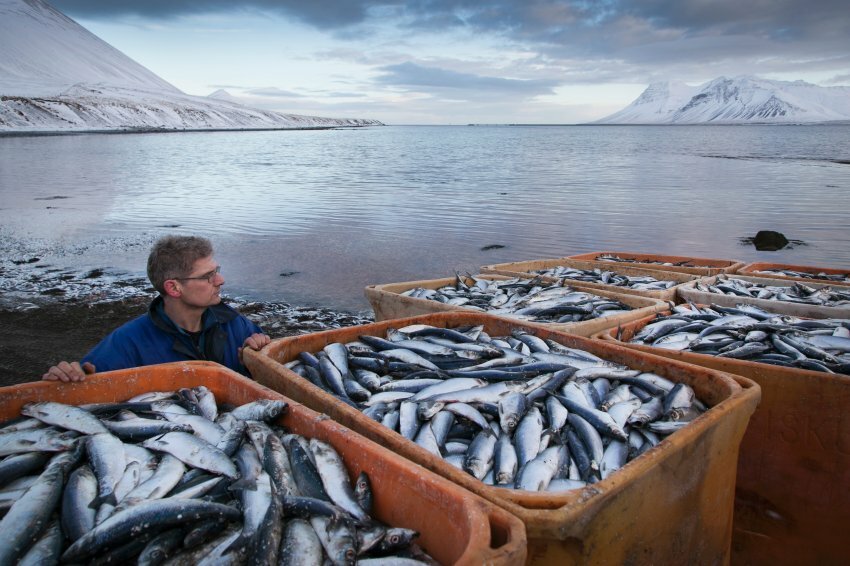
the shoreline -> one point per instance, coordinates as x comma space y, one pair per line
18, 134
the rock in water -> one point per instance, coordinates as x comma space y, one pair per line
769, 241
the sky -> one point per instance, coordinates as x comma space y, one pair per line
468, 61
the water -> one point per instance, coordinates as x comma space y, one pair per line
311, 217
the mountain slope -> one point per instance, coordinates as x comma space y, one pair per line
734, 101
57, 76
45, 52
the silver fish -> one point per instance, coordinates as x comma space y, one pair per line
504, 461
159, 514
47, 549
65, 416
106, 454
527, 436
538, 473
37, 440
512, 408
479, 458
335, 478
193, 451
300, 545
30, 515
260, 410
78, 509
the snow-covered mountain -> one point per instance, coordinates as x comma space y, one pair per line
734, 101
57, 76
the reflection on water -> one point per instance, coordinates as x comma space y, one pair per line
346, 208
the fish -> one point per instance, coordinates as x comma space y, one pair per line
527, 436
106, 454
751, 333
19, 465
527, 299
156, 514
158, 494
47, 549
538, 473
260, 410
605, 277
505, 462
813, 274
194, 452
300, 544
37, 440
479, 458
796, 292
30, 515
65, 416
77, 509
334, 478
199, 426
562, 394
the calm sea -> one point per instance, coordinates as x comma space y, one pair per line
311, 217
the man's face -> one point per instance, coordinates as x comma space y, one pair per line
202, 286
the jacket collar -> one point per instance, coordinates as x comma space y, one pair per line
216, 314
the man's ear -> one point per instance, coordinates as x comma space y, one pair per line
172, 288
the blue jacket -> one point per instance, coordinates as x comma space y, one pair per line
154, 339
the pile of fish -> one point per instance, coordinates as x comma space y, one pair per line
795, 293
166, 479
750, 333
525, 299
839, 277
618, 259
642, 283
516, 412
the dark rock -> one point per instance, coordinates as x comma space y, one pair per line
769, 241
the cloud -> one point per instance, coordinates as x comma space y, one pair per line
435, 80
272, 91
527, 18
324, 14
838, 80
689, 39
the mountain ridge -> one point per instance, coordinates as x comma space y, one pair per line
739, 100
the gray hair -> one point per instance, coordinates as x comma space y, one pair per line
174, 256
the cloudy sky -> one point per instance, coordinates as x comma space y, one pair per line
468, 61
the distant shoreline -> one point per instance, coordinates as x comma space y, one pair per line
12, 134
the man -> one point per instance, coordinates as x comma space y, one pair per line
187, 321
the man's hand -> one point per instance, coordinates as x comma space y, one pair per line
255, 342
65, 371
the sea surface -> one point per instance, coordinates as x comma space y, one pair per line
312, 217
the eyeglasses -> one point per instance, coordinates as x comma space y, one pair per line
209, 277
